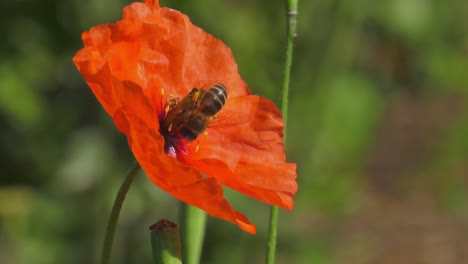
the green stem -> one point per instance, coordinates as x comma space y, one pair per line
165, 243
119, 199
291, 35
192, 227
272, 236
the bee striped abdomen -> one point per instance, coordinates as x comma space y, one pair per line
213, 100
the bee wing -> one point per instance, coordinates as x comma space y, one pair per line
244, 151
233, 113
230, 119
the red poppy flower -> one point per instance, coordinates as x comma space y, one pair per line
155, 56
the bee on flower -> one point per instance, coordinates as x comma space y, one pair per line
145, 70
189, 117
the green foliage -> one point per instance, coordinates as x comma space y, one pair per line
377, 125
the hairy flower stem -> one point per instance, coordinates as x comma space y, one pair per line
291, 35
114, 217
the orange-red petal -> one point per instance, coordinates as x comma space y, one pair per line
244, 150
153, 50
166, 46
183, 182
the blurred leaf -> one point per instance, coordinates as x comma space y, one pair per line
15, 201
23, 104
448, 69
349, 108
87, 157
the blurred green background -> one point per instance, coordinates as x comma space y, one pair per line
378, 126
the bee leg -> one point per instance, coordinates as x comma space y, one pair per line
206, 134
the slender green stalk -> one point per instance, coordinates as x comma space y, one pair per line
192, 224
272, 236
119, 199
291, 35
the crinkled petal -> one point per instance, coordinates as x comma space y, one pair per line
155, 53
244, 150
161, 43
183, 182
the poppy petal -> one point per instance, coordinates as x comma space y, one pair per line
244, 150
113, 70
187, 56
156, 53
183, 182
158, 43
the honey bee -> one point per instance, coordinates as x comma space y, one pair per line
189, 117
